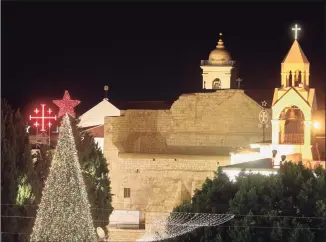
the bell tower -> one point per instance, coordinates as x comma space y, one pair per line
293, 105
217, 69
295, 66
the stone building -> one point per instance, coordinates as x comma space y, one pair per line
157, 158
159, 154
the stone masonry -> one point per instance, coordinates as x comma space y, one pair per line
164, 155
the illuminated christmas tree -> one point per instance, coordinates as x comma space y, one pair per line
64, 212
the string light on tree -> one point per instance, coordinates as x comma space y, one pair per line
66, 105
64, 211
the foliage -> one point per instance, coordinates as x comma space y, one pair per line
41, 163
16, 175
96, 175
288, 206
64, 211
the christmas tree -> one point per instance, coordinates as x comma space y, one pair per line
64, 212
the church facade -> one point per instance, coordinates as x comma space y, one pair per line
157, 158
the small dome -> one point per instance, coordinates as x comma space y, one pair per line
220, 54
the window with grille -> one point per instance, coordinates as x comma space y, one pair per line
126, 193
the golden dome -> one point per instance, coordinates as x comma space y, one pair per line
220, 54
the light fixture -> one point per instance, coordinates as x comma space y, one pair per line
316, 125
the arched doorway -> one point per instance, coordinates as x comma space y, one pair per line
216, 84
291, 126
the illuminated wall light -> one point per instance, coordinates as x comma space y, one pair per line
316, 125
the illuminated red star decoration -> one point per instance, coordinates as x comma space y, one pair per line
66, 105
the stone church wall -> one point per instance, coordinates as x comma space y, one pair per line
159, 183
198, 122
164, 155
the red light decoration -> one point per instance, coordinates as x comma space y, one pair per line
42, 118
66, 105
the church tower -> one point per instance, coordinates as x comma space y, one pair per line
293, 105
217, 69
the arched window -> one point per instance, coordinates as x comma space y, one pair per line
216, 84
290, 79
299, 78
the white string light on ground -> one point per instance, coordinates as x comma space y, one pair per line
177, 224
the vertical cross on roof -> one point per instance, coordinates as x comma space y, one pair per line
296, 29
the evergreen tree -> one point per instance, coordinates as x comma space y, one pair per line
16, 175
64, 211
266, 208
95, 172
96, 176
42, 163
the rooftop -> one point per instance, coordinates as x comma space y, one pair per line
257, 164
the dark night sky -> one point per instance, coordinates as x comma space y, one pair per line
147, 51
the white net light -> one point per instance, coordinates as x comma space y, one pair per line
177, 224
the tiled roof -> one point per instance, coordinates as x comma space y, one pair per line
295, 54
96, 132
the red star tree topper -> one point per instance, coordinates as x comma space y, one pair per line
66, 105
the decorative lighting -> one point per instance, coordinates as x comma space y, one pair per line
64, 211
43, 117
66, 105
316, 125
27, 128
175, 224
296, 29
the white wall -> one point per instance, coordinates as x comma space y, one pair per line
210, 73
95, 116
100, 142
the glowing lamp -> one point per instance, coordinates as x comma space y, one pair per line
316, 125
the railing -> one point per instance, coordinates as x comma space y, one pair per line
292, 139
209, 63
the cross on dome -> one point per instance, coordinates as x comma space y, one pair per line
296, 29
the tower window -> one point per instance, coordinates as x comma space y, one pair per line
126, 192
216, 84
